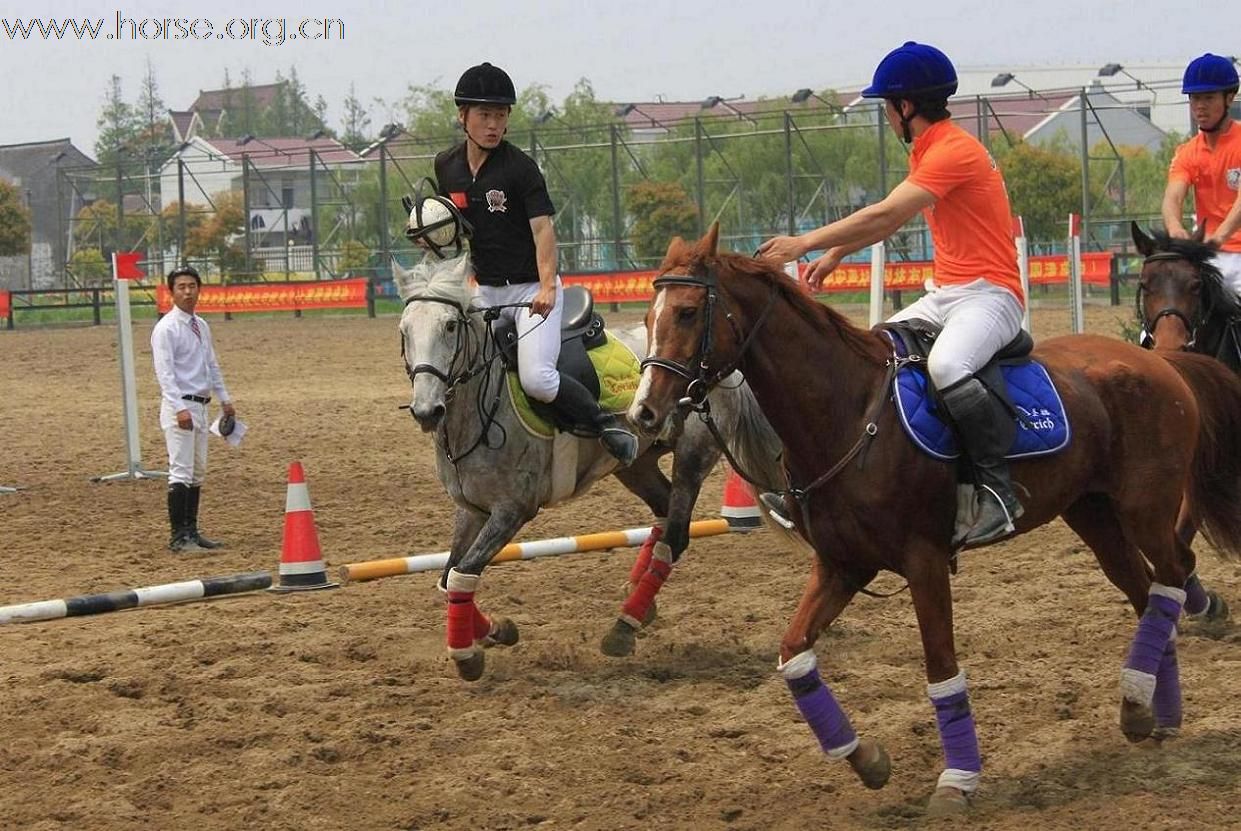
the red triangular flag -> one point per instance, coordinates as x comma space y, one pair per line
125, 265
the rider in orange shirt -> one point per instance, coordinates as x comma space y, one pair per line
1210, 163
977, 296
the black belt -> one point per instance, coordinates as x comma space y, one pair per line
197, 399
510, 281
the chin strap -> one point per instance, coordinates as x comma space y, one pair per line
1215, 127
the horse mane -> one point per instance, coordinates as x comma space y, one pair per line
820, 316
434, 277
1219, 297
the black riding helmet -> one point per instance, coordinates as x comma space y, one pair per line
485, 84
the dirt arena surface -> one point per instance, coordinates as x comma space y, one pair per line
340, 710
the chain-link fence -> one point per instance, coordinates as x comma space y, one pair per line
622, 189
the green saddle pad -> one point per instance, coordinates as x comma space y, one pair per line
618, 370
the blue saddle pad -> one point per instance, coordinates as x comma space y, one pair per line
1042, 429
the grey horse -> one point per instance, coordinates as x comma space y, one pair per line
499, 475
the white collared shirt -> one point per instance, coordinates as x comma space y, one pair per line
185, 363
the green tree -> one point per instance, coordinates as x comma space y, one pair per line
89, 268
355, 126
661, 211
14, 222
118, 123
1044, 186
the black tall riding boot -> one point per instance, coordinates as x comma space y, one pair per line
576, 403
178, 518
192, 520
985, 430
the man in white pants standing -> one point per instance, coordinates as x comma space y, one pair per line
188, 374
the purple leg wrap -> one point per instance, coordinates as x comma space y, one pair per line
1196, 600
956, 732
1154, 630
819, 708
1167, 701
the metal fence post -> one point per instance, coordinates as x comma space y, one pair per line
788, 167
314, 218
383, 205
702, 187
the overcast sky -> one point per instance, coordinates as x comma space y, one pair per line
630, 51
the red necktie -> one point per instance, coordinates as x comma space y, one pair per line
194, 327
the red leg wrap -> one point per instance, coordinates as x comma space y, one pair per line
644, 555
640, 599
482, 624
461, 612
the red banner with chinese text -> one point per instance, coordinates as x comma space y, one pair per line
635, 286
274, 297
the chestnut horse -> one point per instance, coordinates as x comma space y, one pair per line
1145, 429
1183, 304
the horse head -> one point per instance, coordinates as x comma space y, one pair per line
696, 331
1180, 291
437, 342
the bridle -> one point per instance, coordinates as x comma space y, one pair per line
1191, 327
469, 359
697, 370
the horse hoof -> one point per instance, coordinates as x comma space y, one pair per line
619, 642
871, 764
1165, 734
471, 668
1137, 721
1217, 609
503, 633
947, 802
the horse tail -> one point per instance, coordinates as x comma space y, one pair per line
1215, 478
758, 452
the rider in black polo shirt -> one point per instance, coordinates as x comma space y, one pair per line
502, 193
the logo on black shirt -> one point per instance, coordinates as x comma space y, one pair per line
495, 201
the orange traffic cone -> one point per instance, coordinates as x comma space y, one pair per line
301, 563
739, 508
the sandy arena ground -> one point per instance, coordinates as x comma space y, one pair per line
335, 710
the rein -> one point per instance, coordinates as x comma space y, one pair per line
474, 360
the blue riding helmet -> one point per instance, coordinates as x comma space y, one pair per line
1209, 73
914, 70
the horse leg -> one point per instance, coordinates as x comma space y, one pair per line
655, 559
469, 630
932, 597
1093, 518
1151, 663
825, 596
1201, 604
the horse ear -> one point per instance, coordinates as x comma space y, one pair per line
676, 247
1146, 245
1200, 233
710, 244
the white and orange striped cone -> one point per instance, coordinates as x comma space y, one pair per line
740, 508
301, 563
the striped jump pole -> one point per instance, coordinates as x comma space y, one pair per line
375, 569
94, 604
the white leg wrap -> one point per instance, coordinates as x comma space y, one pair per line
952, 686
1137, 687
1169, 592
458, 582
803, 663
966, 781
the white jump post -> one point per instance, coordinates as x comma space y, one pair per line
124, 269
1076, 313
877, 264
1023, 265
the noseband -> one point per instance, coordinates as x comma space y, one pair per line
1169, 311
697, 370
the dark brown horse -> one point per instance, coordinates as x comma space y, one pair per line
1145, 429
1183, 304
